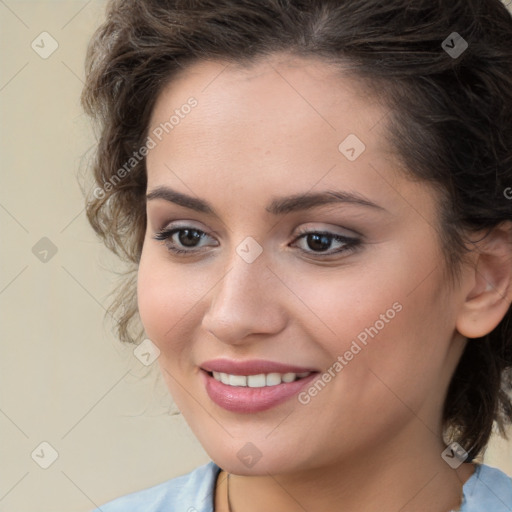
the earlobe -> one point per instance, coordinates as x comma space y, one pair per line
490, 284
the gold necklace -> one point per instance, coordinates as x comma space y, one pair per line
229, 503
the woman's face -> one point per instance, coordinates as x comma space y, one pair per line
303, 245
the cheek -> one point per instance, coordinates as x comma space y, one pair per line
392, 348
166, 299
389, 331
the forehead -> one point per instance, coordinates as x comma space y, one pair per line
288, 97
280, 92
279, 124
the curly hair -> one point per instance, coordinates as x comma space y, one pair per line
450, 123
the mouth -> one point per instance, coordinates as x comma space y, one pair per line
254, 393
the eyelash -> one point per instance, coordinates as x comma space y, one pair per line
165, 235
350, 244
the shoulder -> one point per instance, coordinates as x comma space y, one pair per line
487, 489
192, 492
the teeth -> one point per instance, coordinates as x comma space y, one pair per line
273, 379
237, 380
258, 381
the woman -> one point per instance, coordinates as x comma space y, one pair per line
314, 197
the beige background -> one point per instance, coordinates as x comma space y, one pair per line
64, 379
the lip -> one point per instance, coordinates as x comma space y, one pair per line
251, 367
241, 399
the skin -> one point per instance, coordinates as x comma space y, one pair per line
371, 439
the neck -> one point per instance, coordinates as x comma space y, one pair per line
418, 481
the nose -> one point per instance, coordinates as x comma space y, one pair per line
245, 302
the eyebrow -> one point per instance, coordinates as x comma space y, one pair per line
278, 206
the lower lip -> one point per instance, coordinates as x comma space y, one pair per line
247, 400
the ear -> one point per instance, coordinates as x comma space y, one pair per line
488, 284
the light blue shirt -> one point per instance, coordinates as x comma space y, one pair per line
487, 490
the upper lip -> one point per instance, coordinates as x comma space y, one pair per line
251, 367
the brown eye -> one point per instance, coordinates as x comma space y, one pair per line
318, 242
325, 243
189, 237
183, 240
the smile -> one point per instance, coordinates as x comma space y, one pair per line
257, 381
253, 393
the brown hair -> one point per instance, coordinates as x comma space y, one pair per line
450, 123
